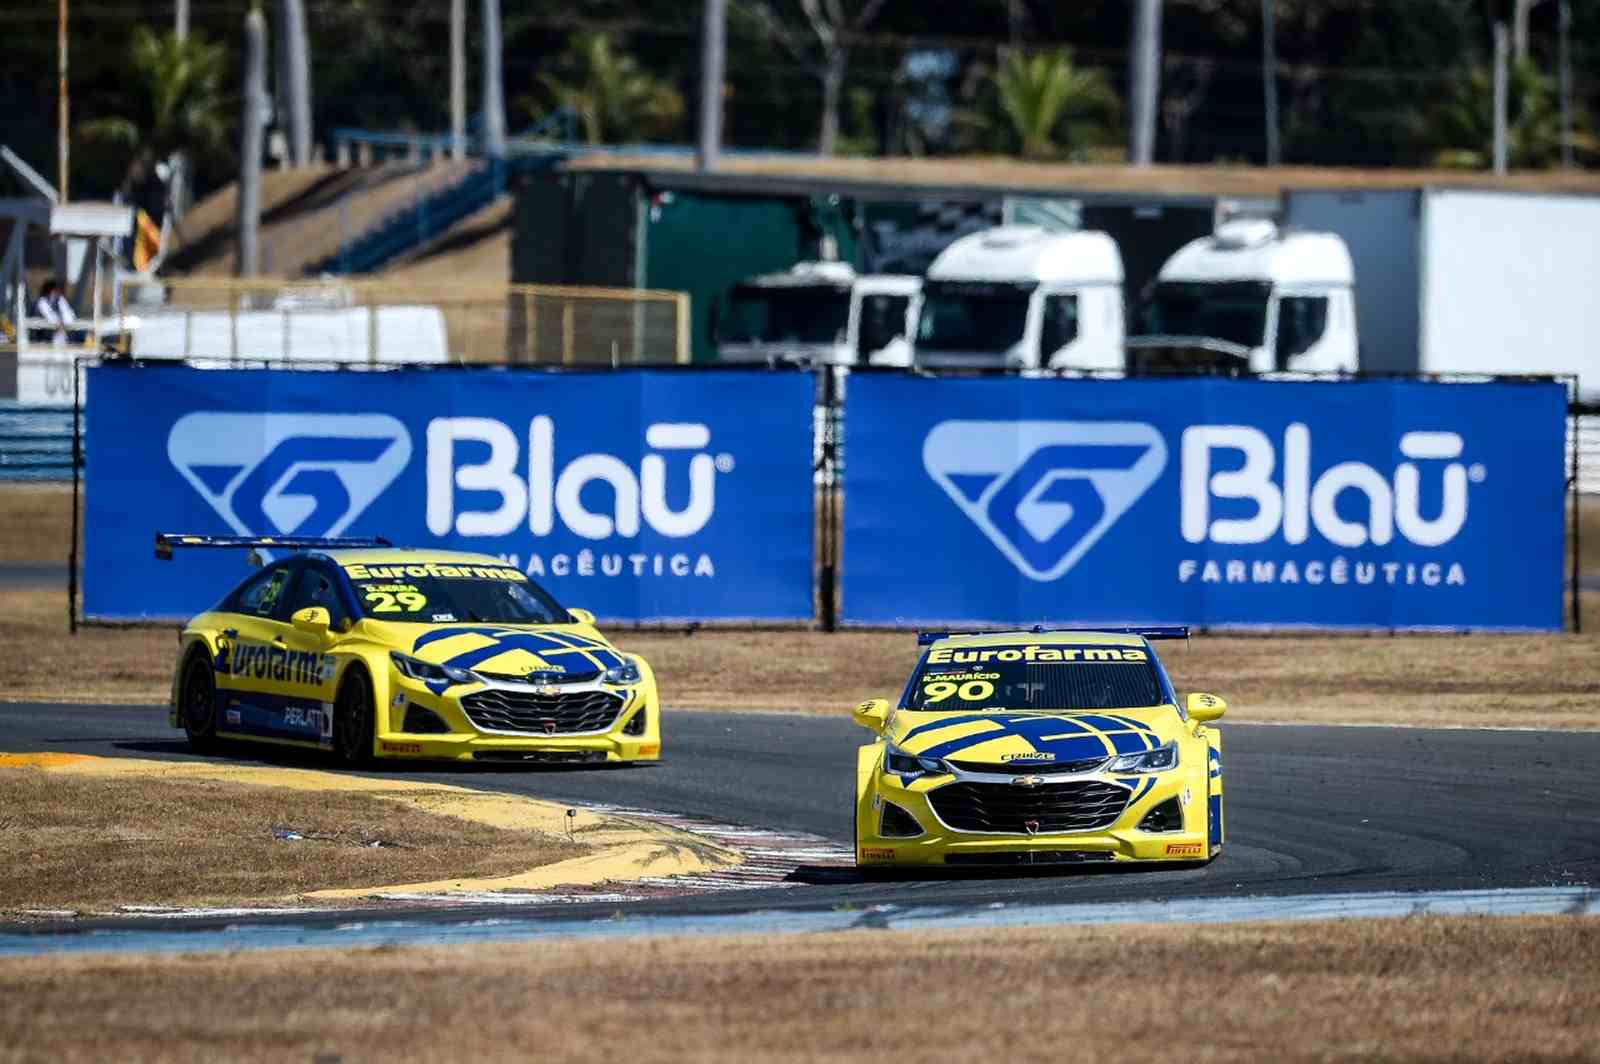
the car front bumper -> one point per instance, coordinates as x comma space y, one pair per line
634, 734
1119, 840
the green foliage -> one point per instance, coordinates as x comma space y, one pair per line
1041, 106
1463, 122
614, 100
173, 99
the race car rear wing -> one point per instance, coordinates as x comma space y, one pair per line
166, 541
928, 637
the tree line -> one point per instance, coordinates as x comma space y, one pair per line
1360, 82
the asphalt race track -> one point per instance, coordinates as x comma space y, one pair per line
1310, 809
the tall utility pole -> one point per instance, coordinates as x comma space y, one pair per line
458, 79
254, 106
494, 100
1565, 60
61, 100
295, 73
180, 20
713, 48
1502, 50
1144, 81
1269, 82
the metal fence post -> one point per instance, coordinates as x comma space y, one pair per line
566, 333
77, 463
681, 305
1574, 419
828, 519
530, 325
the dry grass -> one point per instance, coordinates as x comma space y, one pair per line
1434, 989
1476, 680
94, 843
35, 523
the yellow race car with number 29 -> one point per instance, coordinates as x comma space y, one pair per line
352, 646
1041, 746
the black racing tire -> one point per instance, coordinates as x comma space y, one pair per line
354, 717
197, 703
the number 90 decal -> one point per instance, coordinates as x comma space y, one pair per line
971, 691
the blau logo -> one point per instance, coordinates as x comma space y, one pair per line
277, 474
1044, 492
536, 497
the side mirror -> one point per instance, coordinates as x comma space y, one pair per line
580, 615
1205, 707
872, 714
313, 620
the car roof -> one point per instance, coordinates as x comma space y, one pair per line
1054, 638
407, 556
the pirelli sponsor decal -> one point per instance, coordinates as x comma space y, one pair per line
1186, 849
1035, 653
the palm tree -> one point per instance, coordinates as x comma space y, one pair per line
1464, 123
176, 102
1047, 100
612, 98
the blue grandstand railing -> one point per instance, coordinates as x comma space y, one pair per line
541, 146
428, 216
35, 443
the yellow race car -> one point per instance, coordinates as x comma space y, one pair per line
1039, 746
352, 646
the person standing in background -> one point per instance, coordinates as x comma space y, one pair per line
54, 309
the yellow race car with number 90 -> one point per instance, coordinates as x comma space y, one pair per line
352, 646
1041, 746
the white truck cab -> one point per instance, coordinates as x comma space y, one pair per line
1251, 298
1023, 297
818, 313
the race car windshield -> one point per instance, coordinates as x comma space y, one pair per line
1055, 678
433, 594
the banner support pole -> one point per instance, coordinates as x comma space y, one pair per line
77, 465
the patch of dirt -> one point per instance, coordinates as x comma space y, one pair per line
86, 843
1412, 989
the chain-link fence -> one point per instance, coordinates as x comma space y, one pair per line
385, 321
388, 322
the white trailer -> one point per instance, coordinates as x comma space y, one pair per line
1469, 280
818, 313
1023, 297
1254, 298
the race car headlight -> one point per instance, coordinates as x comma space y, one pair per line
1158, 760
627, 672
900, 763
427, 671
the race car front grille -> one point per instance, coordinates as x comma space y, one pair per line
1007, 809
531, 713
1029, 857
1030, 768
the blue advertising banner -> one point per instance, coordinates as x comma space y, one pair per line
641, 495
1352, 504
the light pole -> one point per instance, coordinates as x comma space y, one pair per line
713, 49
61, 100
1145, 78
1269, 82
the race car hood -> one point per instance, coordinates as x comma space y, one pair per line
506, 649
999, 737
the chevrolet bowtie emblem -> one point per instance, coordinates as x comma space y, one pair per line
1027, 781
548, 690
